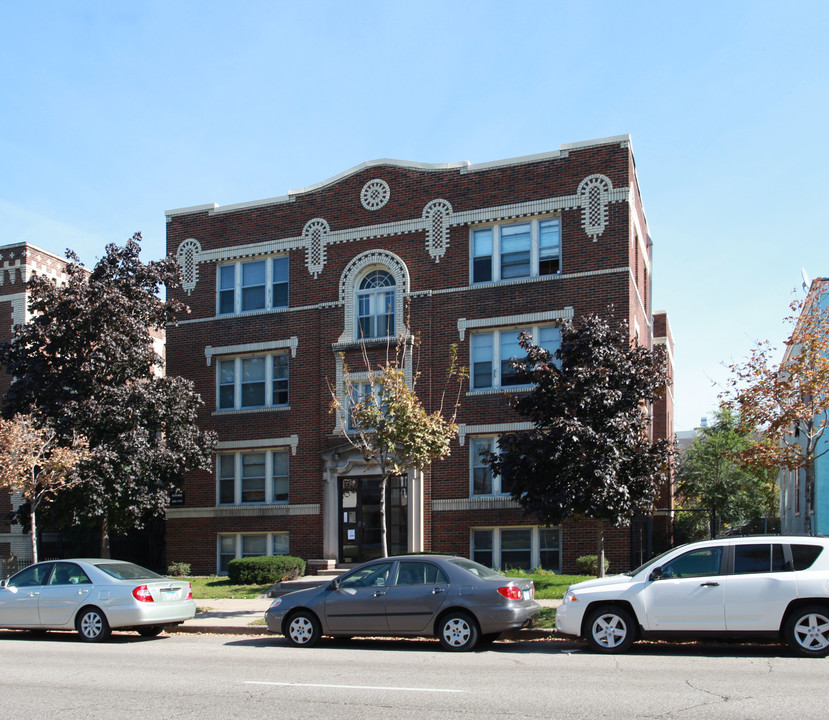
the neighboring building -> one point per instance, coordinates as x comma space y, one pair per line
284, 290
18, 262
805, 508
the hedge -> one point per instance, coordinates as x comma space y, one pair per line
589, 564
265, 569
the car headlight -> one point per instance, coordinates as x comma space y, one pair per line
570, 597
275, 603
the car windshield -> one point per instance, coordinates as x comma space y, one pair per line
475, 568
128, 571
652, 562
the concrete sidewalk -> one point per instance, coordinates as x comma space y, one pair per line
234, 617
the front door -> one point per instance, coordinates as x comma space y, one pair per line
360, 533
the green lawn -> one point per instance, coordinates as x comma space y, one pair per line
549, 585
215, 587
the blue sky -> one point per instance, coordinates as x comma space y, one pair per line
112, 113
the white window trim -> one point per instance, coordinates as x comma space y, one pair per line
269, 545
291, 344
350, 280
496, 479
496, 228
497, 334
535, 548
237, 285
237, 477
237, 384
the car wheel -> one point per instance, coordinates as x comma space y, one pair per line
303, 629
807, 631
150, 630
458, 632
92, 625
610, 630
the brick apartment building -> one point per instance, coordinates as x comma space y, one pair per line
284, 290
17, 264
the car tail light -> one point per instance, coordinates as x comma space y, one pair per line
189, 592
511, 592
142, 594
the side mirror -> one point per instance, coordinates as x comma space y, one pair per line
656, 574
335, 584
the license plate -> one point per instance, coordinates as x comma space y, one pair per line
527, 595
169, 594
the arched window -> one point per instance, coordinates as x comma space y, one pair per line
375, 305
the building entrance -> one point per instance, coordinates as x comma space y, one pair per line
360, 537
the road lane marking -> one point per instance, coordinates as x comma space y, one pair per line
352, 687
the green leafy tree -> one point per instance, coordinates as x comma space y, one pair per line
85, 364
388, 423
788, 400
35, 465
589, 453
710, 476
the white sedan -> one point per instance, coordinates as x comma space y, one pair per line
93, 597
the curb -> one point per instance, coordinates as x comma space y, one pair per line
520, 635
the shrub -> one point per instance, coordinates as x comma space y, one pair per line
178, 569
265, 569
589, 564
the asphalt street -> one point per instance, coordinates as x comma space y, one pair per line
238, 676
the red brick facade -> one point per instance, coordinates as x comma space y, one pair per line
17, 263
416, 223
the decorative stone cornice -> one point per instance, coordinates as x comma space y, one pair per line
592, 197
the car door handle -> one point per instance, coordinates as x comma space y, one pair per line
437, 591
82, 592
34, 593
379, 593
710, 584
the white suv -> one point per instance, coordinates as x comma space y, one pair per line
752, 587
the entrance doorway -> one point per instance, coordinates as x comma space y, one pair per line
360, 538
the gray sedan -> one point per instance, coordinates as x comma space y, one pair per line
93, 597
457, 600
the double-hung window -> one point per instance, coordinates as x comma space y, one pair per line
360, 393
375, 305
518, 250
258, 381
254, 477
492, 353
482, 481
517, 547
253, 285
240, 545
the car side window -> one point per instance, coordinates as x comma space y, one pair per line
696, 563
760, 558
68, 574
804, 556
419, 573
371, 576
31, 576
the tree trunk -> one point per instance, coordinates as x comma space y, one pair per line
384, 542
34, 534
809, 493
600, 550
104, 538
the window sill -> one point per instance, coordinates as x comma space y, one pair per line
513, 281
240, 411
248, 313
390, 341
499, 390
